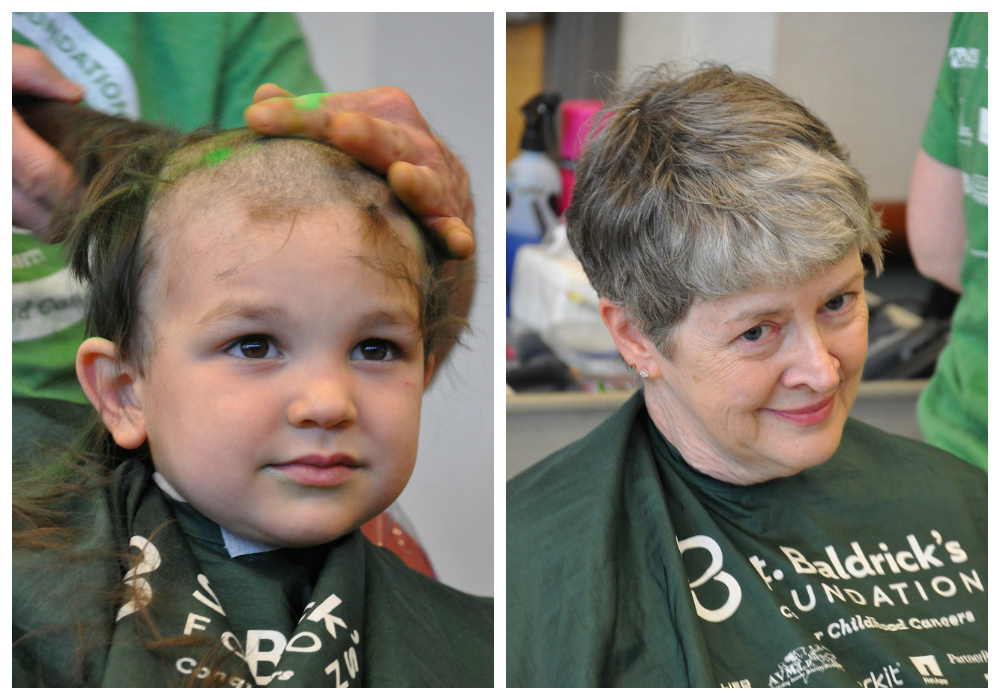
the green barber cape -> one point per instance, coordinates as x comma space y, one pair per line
626, 567
149, 569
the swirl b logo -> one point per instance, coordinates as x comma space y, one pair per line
149, 560
714, 572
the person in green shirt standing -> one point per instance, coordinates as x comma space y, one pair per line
947, 232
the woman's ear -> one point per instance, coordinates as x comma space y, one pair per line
111, 388
636, 350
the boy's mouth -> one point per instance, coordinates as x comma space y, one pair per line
317, 470
337, 460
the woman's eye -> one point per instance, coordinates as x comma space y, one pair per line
754, 334
254, 347
375, 350
837, 303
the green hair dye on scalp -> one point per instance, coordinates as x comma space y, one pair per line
217, 156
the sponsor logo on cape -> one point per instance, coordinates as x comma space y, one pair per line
929, 669
885, 677
801, 663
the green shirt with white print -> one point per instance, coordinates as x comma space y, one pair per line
953, 409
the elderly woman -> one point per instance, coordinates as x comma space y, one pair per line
730, 525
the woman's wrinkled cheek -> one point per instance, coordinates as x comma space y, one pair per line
721, 374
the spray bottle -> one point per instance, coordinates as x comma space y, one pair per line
533, 181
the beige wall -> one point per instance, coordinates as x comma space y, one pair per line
744, 40
870, 76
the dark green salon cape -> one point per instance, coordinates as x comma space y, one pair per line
625, 567
366, 619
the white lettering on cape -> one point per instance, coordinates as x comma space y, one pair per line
713, 572
149, 560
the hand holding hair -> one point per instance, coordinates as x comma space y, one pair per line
79, 140
41, 178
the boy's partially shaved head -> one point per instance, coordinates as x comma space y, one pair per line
271, 179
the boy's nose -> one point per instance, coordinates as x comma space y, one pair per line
325, 404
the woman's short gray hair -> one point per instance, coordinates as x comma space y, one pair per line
707, 185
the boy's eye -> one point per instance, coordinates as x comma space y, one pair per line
254, 347
375, 350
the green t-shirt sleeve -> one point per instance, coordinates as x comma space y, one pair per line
955, 128
261, 48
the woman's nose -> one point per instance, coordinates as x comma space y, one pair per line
325, 402
813, 364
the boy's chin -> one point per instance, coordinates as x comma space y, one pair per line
295, 537
298, 538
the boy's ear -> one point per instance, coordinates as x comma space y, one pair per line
636, 350
111, 388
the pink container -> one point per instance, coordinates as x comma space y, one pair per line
577, 116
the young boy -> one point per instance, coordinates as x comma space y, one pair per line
265, 318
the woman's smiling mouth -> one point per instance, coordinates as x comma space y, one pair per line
809, 415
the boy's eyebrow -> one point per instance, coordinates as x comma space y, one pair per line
395, 318
231, 308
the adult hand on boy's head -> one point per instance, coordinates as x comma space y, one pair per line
41, 177
383, 129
